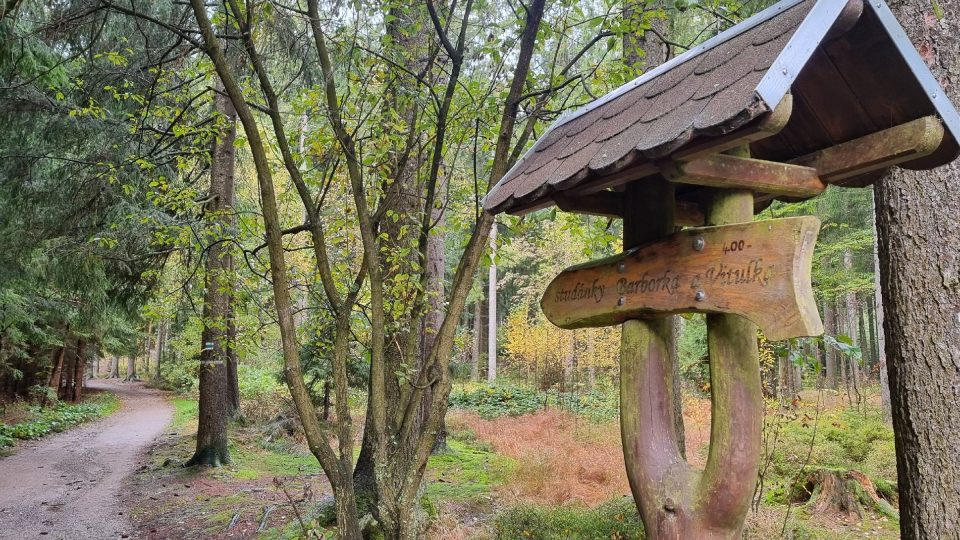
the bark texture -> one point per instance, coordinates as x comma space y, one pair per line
918, 226
215, 406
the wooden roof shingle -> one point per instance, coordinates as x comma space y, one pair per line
827, 54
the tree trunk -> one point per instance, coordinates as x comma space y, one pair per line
918, 226
57, 374
475, 349
114, 367
81, 365
850, 303
674, 500
830, 354
65, 390
643, 50
436, 272
161, 344
866, 347
233, 377
147, 349
215, 404
878, 322
132, 367
492, 307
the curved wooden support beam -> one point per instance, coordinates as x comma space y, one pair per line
725, 171
899, 144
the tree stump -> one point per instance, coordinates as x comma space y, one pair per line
844, 495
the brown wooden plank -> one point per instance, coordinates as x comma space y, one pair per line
688, 214
760, 270
878, 150
726, 171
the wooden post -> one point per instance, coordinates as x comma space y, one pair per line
649, 423
736, 398
676, 501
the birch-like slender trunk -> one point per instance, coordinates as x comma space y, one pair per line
492, 308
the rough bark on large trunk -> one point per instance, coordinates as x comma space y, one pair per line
215, 405
918, 226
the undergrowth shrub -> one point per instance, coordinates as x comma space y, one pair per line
492, 401
46, 420
617, 520
498, 400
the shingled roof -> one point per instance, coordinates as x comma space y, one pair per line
841, 69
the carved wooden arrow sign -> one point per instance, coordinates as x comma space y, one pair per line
760, 270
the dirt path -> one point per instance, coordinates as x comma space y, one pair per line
68, 486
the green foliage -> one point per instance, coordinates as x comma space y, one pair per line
598, 406
692, 352
617, 519
491, 401
46, 420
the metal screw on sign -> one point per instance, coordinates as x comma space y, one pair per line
700, 296
698, 243
622, 300
622, 267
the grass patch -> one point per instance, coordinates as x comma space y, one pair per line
185, 412
42, 421
252, 463
617, 519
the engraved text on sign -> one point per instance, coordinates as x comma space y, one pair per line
760, 270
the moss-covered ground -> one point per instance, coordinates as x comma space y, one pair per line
536, 474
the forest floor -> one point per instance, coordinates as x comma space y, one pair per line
68, 486
549, 474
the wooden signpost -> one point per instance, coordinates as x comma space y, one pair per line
759, 270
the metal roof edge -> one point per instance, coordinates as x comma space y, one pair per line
785, 69
722, 37
941, 102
